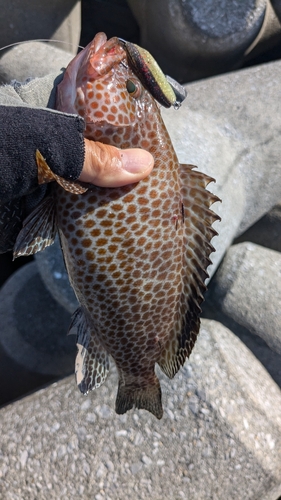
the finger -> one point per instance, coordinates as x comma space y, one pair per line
108, 166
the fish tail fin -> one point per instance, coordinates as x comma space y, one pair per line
147, 398
92, 360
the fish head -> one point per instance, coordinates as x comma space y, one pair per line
100, 86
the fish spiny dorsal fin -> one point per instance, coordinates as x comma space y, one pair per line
198, 233
38, 231
92, 361
45, 175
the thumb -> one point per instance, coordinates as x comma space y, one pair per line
108, 166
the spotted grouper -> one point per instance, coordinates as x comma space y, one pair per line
136, 255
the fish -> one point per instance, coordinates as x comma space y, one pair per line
137, 255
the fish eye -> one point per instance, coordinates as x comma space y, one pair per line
133, 88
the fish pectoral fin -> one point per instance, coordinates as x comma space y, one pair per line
38, 231
92, 360
45, 174
198, 233
148, 398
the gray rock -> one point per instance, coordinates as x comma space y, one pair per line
266, 231
247, 288
53, 273
200, 38
270, 359
219, 437
30, 20
34, 326
229, 127
277, 7
32, 59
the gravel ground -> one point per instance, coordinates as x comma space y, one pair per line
219, 437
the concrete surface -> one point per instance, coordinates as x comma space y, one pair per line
219, 438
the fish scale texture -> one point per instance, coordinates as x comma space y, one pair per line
136, 260
136, 255
124, 253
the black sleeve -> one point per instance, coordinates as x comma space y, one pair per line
23, 130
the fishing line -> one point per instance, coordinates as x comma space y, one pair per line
41, 40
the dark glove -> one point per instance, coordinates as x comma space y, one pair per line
12, 215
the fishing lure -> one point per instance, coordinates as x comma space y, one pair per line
164, 89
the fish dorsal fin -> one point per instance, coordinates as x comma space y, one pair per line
198, 233
92, 361
45, 175
39, 229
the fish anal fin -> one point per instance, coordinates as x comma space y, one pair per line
172, 359
38, 231
147, 397
198, 233
46, 175
92, 360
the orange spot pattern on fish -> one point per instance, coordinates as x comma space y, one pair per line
137, 267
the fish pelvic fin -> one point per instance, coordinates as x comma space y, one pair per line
198, 233
92, 360
46, 175
147, 398
39, 229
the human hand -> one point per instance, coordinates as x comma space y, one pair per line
108, 166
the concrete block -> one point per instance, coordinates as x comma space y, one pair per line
219, 438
